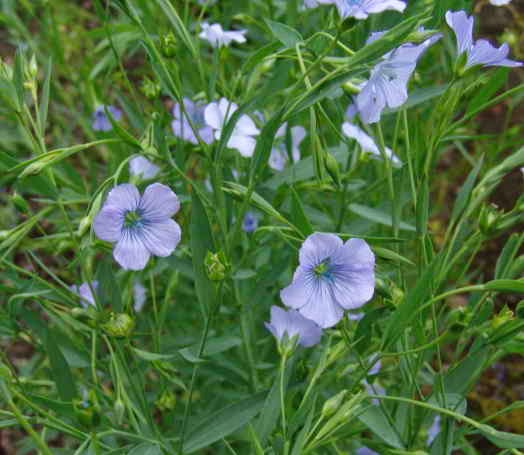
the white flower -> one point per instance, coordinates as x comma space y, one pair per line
500, 2
219, 37
243, 135
367, 143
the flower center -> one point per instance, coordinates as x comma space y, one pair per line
132, 219
323, 270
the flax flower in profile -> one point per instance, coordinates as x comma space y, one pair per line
217, 114
218, 37
480, 52
291, 323
193, 114
367, 144
101, 121
139, 296
139, 225
142, 168
388, 82
279, 155
84, 292
332, 276
361, 9
500, 2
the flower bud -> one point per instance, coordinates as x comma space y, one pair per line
216, 266
33, 169
333, 404
5, 373
119, 409
489, 217
150, 89
168, 45
20, 203
332, 167
167, 401
84, 225
32, 67
350, 88
502, 318
119, 325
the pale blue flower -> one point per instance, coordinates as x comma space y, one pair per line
182, 128
143, 168
355, 316
374, 389
387, 85
279, 155
332, 276
361, 9
250, 222
140, 226
84, 292
376, 365
365, 451
100, 120
367, 144
218, 37
500, 2
291, 323
139, 296
433, 431
217, 114
480, 52
310, 3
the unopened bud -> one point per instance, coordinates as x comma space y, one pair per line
20, 203
150, 89
168, 45
332, 168
333, 404
350, 88
32, 68
489, 217
33, 169
216, 266
87, 412
167, 401
119, 325
119, 410
84, 225
502, 318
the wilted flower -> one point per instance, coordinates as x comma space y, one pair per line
387, 85
182, 128
139, 296
433, 431
250, 222
367, 143
374, 389
85, 294
243, 135
279, 156
140, 226
310, 3
355, 316
143, 168
292, 323
360, 9
332, 276
100, 120
480, 52
219, 37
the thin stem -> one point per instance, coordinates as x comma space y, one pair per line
282, 396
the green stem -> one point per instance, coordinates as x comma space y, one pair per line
282, 396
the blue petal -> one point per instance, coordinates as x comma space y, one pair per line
161, 237
158, 202
130, 252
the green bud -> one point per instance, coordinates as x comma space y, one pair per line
502, 318
168, 45
150, 89
510, 37
33, 168
84, 225
350, 88
119, 409
119, 325
5, 373
216, 266
333, 404
488, 220
332, 167
32, 68
4, 234
167, 401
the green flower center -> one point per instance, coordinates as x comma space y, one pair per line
323, 270
132, 219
